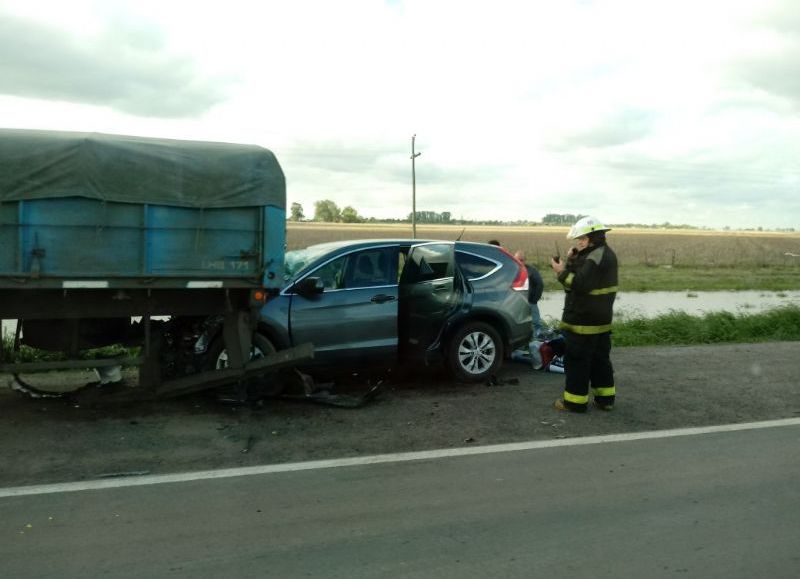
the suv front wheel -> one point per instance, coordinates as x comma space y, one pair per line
267, 384
475, 352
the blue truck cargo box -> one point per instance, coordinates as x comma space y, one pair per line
92, 210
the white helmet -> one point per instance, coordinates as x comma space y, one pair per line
586, 225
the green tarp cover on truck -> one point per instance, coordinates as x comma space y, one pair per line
52, 164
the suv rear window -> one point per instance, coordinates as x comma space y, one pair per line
474, 266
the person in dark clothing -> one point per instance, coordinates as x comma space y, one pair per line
589, 277
535, 289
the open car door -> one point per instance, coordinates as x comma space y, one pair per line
431, 291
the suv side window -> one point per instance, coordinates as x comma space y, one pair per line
369, 268
474, 266
427, 263
332, 273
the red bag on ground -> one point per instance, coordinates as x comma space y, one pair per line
546, 351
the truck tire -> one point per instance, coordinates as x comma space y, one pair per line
475, 352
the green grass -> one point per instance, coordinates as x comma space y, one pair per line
28, 354
769, 278
679, 328
680, 278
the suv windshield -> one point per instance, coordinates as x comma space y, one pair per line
299, 258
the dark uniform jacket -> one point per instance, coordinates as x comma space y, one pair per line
590, 279
535, 284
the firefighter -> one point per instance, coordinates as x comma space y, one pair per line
589, 278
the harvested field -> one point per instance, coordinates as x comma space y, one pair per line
653, 247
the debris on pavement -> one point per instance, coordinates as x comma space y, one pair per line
250, 441
124, 474
495, 381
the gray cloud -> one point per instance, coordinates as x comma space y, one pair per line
375, 178
722, 182
783, 17
378, 160
433, 173
777, 74
712, 192
128, 70
340, 156
624, 127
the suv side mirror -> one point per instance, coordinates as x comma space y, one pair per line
309, 287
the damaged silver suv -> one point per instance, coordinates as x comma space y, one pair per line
386, 302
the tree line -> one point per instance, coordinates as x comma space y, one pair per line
329, 212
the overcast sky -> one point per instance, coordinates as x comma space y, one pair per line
632, 110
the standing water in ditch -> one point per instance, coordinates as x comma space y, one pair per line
652, 304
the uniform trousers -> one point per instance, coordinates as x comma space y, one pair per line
587, 364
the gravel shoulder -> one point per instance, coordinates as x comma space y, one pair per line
51, 440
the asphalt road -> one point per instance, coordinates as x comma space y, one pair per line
723, 504
52, 440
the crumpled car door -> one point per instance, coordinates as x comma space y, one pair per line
430, 292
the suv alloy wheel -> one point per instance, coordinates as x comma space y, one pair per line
475, 352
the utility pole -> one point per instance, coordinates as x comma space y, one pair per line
413, 188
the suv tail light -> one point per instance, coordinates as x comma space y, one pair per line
520, 282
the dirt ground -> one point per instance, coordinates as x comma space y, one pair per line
53, 440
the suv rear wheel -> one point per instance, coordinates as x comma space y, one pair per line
475, 352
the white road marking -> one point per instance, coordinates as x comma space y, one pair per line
84, 284
381, 459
